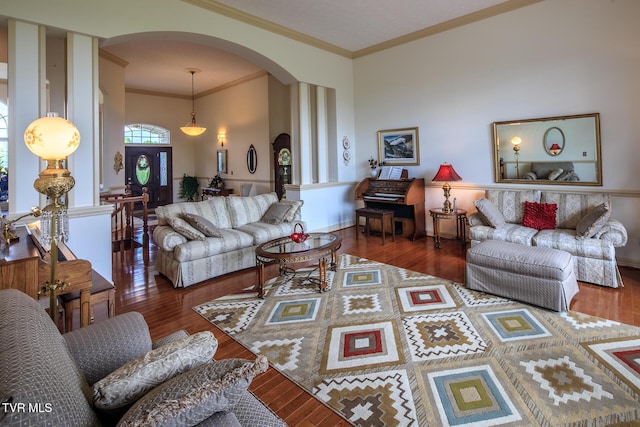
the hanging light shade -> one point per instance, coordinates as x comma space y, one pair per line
192, 128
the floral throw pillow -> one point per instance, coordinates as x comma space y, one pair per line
184, 228
201, 224
541, 216
593, 221
275, 214
194, 396
134, 379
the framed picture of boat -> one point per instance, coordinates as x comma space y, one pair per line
399, 147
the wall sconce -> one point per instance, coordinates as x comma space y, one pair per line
53, 139
222, 138
516, 152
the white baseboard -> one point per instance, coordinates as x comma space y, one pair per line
628, 262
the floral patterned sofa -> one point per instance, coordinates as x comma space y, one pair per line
202, 240
578, 223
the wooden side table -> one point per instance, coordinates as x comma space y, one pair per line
460, 216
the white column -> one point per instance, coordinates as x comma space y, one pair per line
322, 135
82, 110
27, 102
306, 157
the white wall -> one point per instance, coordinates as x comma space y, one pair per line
551, 58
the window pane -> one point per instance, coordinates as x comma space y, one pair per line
143, 170
141, 133
163, 168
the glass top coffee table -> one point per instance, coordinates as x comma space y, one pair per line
285, 251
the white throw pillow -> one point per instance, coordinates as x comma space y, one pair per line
490, 212
555, 174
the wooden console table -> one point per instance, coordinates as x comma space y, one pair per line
24, 269
216, 192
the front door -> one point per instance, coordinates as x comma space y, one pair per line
150, 167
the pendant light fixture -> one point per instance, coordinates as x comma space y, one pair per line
191, 128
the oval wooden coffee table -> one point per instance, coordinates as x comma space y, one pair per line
318, 246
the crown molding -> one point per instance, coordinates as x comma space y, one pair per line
461, 21
112, 58
238, 15
239, 81
256, 75
230, 12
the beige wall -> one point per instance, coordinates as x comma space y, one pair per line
242, 111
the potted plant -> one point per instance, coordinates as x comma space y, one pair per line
217, 182
4, 182
188, 188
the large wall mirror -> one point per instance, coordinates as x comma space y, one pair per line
554, 150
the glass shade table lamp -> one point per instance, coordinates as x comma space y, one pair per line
53, 138
446, 174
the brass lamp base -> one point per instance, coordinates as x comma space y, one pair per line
446, 208
54, 181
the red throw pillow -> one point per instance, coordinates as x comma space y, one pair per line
541, 216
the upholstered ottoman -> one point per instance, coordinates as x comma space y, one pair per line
535, 275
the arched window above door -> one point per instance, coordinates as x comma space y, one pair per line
143, 133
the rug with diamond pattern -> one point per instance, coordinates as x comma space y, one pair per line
391, 347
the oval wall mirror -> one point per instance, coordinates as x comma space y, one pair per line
252, 159
553, 141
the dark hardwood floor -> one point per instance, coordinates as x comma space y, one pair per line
140, 288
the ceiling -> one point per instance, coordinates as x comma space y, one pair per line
347, 27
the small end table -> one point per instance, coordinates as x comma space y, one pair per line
461, 223
283, 250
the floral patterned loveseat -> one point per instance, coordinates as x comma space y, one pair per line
202, 240
581, 226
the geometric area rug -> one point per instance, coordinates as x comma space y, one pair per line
385, 346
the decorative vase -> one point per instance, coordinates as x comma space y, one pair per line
374, 173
